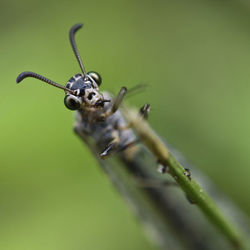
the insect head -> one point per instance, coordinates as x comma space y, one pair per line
82, 90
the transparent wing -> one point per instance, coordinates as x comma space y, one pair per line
167, 215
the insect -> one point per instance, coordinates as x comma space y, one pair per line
97, 114
99, 120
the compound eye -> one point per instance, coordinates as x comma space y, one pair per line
72, 102
97, 78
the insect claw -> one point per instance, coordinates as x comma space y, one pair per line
144, 111
107, 151
187, 173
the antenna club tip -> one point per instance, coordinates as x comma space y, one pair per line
76, 27
20, 77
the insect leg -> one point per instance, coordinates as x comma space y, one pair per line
111, 146
187, 173
144, 111
116, 104
108, 150
118, 100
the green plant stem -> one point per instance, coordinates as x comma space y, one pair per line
191, 188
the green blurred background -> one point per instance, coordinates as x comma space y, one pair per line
195, 57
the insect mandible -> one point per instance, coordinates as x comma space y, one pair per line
97, 113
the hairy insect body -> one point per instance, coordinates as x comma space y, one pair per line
97, 114
107, 131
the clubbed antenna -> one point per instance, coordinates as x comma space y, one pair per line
42, 78
72, 32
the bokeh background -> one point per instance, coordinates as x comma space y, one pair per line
195, 57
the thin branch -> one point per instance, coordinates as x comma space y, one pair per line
192, 189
